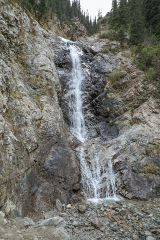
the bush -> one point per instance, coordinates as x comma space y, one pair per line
116, 75
103, 35
109, 34
147, 56
152, 149
151, 169
151, 74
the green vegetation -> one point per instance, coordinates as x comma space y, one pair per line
116, 75
148, 60
135, 20
136, 23
151, 169
151, 74
63, 9
152, 149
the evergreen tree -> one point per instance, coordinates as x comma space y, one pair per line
136, 22
63, 9
114, 15
123, 20
152, 15
123, 13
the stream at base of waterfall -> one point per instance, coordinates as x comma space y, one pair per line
97, 176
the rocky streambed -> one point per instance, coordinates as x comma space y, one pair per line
128, 220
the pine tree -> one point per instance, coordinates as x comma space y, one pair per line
123, 20
123, 13
63, 9
136, 22
152, 15
114, 15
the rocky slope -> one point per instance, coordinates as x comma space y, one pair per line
126, 220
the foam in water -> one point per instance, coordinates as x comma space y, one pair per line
98, 180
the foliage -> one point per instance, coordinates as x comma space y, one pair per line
151, 169
116, 75
148, 56
152, 15
152, 149
151, 74
148, 60
63, 9
135, 19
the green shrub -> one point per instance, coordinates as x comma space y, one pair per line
147, 56
105, 50
151, 74
151, 169
152, 149
103, 35
116, 75
109, 34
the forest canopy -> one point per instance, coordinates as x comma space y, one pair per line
65, 10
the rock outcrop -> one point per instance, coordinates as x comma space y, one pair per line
37, 164
128, 114
122, 114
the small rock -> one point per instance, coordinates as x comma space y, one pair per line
55, 221
28, 222
61, 234
63, 214
75, 224
2, 215
96, 223
147, 233
82, 208
3, 221
69, 206
150, 238
59, 205
135, 237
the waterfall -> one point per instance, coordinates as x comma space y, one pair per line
98, 181
78, 127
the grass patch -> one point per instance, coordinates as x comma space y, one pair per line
152, 149
116, 75
151, 169
151, 74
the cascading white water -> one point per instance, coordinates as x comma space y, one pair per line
78, 127
98, 180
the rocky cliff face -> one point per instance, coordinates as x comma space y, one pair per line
37, 165
128, 114
122, 114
